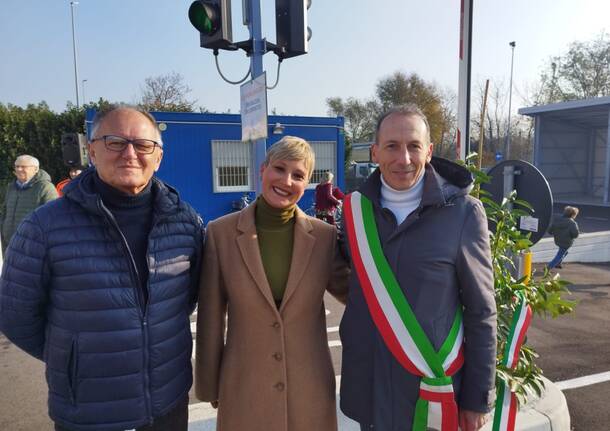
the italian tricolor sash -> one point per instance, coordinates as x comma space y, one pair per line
397, 324
506, 402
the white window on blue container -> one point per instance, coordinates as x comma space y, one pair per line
232, 165
326, 160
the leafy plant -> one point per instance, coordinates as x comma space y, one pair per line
544, 293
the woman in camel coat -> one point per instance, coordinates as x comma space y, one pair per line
265, 272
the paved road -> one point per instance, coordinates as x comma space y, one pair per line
578, 345
570, 347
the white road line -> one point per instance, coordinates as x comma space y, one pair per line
334, 343
583, 381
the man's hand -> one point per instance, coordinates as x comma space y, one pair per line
214, 404
472, 421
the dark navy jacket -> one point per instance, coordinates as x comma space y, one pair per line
69, 295
441, 259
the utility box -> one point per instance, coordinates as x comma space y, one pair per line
206, 161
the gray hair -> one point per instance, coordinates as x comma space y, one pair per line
407, 110
101, 114
28, 159
328, 176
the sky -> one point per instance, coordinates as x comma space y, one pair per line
355, 43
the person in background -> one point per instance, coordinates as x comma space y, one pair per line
267, 268
73, 173
100, 285
328, 199
31, 189
564, 230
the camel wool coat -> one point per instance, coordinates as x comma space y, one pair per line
273, 372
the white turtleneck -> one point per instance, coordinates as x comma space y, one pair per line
401, 202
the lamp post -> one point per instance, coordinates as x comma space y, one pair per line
72, 4
83, 91
510, 98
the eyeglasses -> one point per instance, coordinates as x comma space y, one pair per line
118, 144
24, 166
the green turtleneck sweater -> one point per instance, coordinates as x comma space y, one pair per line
275, 229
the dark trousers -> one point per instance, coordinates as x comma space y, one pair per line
176, 419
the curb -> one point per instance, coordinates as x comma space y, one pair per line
548, 413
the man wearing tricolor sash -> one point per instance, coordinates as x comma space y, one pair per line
419, 329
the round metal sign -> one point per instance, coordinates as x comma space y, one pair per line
531, 186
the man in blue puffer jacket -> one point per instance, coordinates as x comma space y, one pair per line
100, 284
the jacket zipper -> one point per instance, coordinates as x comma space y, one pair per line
142, 305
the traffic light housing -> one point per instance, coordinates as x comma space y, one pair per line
292, 32
213, 20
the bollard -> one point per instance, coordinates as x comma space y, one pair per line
527, 266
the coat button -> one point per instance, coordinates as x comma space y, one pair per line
279, 386
277, 356
276, 324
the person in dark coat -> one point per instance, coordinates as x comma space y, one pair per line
100, 284
31, 189
327, 199
564, 230
414, 217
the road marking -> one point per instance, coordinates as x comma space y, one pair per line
583, 381
332, 329
334, 343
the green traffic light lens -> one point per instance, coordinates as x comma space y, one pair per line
202, 17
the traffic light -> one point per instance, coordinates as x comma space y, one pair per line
213, 20
292, 33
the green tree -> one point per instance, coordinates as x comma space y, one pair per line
544, 293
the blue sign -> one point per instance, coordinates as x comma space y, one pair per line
499, 156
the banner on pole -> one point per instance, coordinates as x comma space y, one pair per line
253, 109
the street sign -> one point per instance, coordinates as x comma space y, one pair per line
531, 186
499, 156
253, 108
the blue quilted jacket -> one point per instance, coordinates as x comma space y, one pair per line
69, 296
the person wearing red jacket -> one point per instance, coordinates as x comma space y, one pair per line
328, 199
74, 172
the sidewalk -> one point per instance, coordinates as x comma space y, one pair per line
549, 413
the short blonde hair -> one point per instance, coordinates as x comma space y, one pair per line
292, 148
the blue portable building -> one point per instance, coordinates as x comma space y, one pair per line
205, 159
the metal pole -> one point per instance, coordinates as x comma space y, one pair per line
72, 3
83, 91
256, 69
510, 99
463, 108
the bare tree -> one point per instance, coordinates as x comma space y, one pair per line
167, 93
360, 117
580, 73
